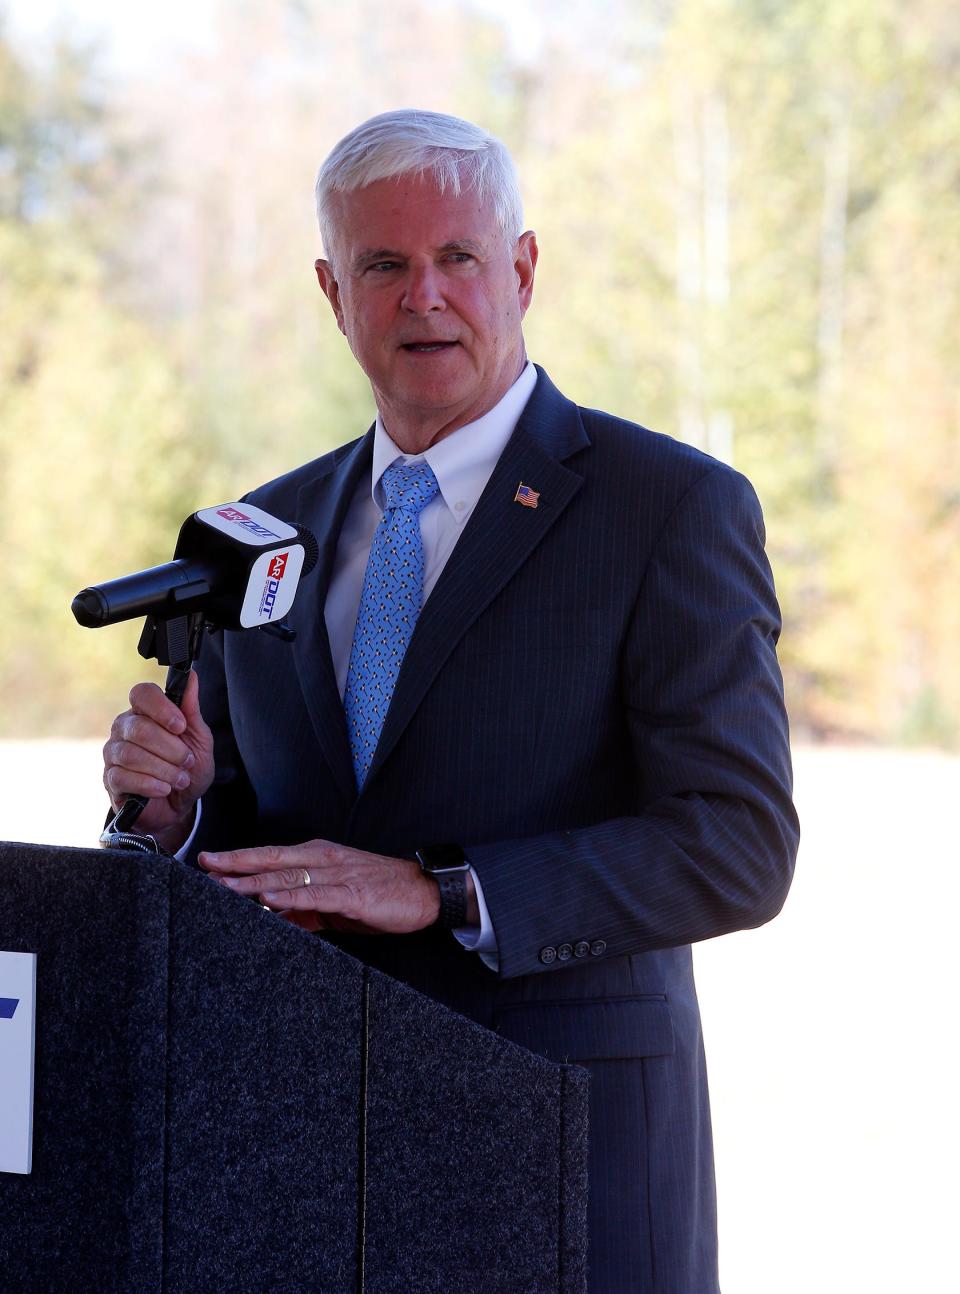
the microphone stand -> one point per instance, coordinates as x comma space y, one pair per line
173, 641
176, 643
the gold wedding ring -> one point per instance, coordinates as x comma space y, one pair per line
306, 877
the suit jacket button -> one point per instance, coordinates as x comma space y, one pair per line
548, 955
565, 952
598, 947
581, 948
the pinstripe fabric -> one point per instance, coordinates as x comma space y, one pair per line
590, 704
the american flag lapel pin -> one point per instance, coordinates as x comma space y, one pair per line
526, 496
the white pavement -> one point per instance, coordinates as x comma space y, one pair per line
831, 1033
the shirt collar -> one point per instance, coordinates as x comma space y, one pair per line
462, 462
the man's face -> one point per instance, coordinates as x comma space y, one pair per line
430, 297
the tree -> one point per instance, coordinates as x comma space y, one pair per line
747, 213
94, 440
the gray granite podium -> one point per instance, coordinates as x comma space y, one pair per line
225, 1103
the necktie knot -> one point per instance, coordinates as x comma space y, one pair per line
409, 486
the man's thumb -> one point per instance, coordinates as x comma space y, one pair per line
190, 705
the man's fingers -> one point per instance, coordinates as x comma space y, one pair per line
126, 756
349, 889
143, 757
286, 889
148, 700
270, 858
286, 879
247, 862
120, 783
136, 730
308, 898
190, 705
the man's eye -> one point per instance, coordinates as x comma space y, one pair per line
460, 258
382, 267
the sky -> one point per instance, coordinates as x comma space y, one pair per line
131, 34
134, 35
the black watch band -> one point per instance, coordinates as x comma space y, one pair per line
453, 900
448, 866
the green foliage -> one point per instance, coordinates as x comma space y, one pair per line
93, 444
96, 472
747, 214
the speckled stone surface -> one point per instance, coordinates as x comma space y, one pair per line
223, 1102
476, 1157
90, 1211
263, 1074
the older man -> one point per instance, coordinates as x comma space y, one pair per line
531, 743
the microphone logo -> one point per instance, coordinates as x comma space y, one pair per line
241, 519
275, 568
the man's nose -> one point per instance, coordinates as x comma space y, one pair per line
423, 290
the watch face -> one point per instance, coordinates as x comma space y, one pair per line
442, 858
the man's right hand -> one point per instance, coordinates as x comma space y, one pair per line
164, 753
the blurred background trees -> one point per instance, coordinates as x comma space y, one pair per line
748, 214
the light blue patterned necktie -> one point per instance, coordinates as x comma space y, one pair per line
389, 606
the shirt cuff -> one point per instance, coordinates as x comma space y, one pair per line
480, 939
184, 849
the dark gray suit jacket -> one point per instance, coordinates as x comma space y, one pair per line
591, 706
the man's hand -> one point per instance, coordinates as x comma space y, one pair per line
323, 886
165, 753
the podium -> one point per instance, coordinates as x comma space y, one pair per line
226, 1103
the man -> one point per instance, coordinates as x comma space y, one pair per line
589, 704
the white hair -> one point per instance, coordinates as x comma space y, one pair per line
454, 153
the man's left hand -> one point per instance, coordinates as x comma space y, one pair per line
322, 886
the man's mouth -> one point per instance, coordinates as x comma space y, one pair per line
427, 347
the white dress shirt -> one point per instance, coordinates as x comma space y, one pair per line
463, 463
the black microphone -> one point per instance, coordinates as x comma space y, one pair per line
234, 567
236, 564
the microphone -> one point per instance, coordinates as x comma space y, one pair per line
234, 567
235, 564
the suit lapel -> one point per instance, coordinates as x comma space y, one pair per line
322, 505
497, 540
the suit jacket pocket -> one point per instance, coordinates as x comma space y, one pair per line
622, 1029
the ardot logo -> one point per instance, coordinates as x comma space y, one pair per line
278, 564
269, 599
7, 1007
239, 518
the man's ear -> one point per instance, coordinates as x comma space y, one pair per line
525, 263
331, 290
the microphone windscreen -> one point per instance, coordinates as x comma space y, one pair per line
89, 608
311, 549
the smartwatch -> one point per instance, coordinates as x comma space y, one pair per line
448, 866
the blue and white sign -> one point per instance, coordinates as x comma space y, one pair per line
18, 996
